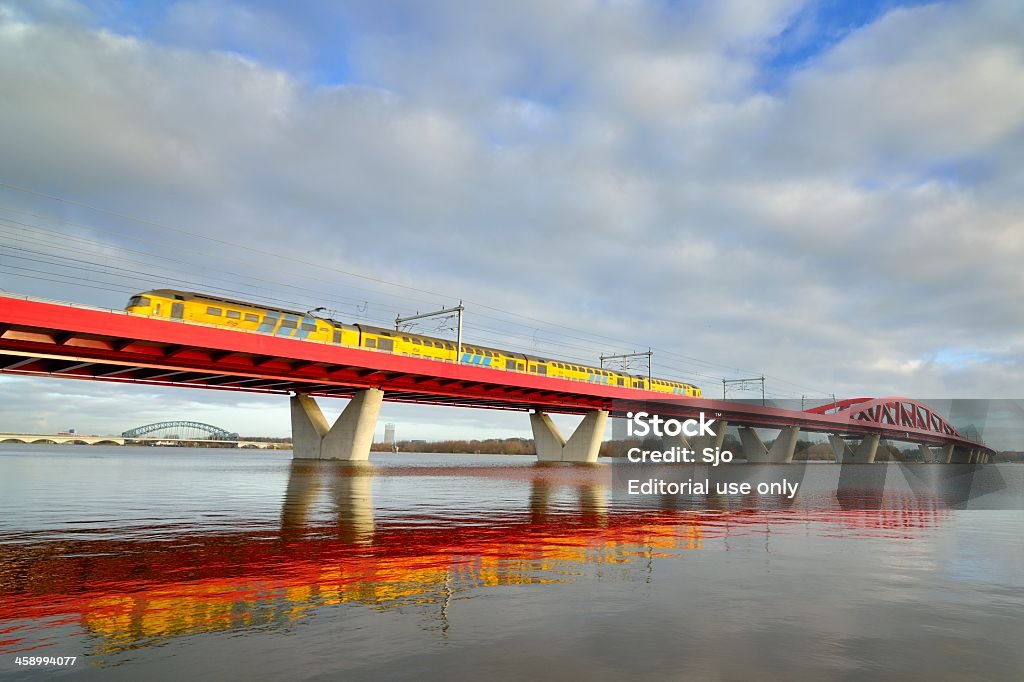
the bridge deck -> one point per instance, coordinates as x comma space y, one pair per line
42, 338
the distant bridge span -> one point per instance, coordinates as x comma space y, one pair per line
59, 439
82, 439
211, 432
43, 338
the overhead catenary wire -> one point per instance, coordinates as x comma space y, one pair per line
224, 286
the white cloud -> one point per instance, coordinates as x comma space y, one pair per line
612, 166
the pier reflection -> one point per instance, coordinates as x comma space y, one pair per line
349, 487
335, 548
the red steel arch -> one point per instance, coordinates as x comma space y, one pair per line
895, 411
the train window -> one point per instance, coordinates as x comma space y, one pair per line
213, 311
406, 338
510, 364
233, 314
289, 324
417, 342
488, 354
542, 369
533, 368
251, 317
370, 342
337, 336
620, 381
520, 366
308, 327
386, 344
138, 301
438, 344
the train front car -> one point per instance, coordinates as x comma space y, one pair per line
156, 303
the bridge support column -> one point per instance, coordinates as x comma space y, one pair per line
947, 454
349, 439
782, 449
865, 452
697, 444
582, 446
961, 455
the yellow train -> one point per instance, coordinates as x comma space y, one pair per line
223, 312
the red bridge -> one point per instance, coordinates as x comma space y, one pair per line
42, 338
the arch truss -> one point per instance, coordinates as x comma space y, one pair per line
896, 412
185, 430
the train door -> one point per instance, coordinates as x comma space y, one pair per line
177, 310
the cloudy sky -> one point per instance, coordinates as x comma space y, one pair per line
827, 193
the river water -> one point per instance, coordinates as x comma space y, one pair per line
169, 564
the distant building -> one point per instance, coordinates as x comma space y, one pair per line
389, 434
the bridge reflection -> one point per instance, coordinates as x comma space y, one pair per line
129, 593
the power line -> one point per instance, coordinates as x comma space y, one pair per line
587, 336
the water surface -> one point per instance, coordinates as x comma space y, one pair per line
171, 563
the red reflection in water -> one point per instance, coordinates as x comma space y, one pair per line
132, 592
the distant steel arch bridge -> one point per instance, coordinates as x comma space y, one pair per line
180, 430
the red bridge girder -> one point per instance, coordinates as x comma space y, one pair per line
42, 338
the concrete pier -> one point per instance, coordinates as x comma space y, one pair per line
781, 451
697, 444
582, 446
348, 439
864, 454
